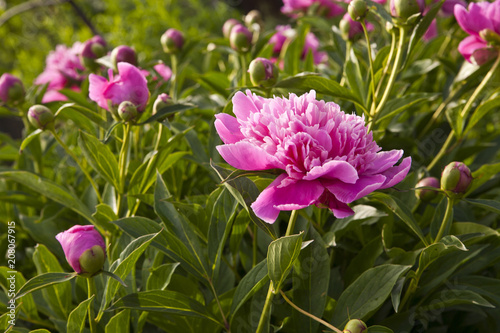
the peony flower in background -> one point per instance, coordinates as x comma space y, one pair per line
482, 22
293, 8
163, 70
329, 157
84, 249
446, 10
311, 43
62, 70
11, 89
351, 29
92, 49
129, 85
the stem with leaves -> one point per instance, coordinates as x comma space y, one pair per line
448, 218
173, 79
266, 311
243, 67
370, 59
70, 153
91, 293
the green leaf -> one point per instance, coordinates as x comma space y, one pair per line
57, 296
26, 303
398, 105
104, 214
28, 139
252, 282
482, 175
448, 298
379, 329
481, 111
77, 97
87, 112
160, 276
433, 252
355, 78
43, 281
51, 190
281, 255
464, 228
216, 82
307, 82
124, 264
166, 301
380, 10
455, 119
100, 158
365, 295
119, 322
491, 205
167, 110
76, 320
403, 212
422, 28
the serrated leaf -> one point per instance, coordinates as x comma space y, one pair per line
365, 295
281, 255
76, 320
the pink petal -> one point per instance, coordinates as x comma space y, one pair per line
53, 96
383, 160
228, 128
348, 193
474, 20
164, 71
97, 84
244, 105
246, 156
396, 174
469, 45
295, 195
335, 169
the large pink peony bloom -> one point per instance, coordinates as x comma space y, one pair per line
129, 85
480, 20
79, 239
293, 7
62, 70
328, 156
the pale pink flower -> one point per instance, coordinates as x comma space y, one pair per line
293, 7
328, 157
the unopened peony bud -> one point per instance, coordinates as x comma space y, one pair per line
172, 41
357, 10
355, 326
228, 26
92, 49
11, 89
405, 8
84, 249
41, 117
425, 194
128, 111
456, 178
254, 19
263, 72
123, 53
240, 38
163, 100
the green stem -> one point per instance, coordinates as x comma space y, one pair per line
226, 323
448, 218
122, 164
91, 292
392, 77
243, 63
370, 59
348, 46
70, 153
266, 311
389, 61
465, 111
173, 79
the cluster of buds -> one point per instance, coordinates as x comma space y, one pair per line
456, 180
11, 89
240, 38
172, 41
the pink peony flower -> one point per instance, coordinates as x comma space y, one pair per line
62, 70
82, 246
129, 85
329, 158
479, 21
164, 71
293, 7
11, 88
283, 32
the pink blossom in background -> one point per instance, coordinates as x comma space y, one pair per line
449, 5
283, 32
328, 157
78, 239
293, 7
311, 43
62, 70
129, 85
355, 28
479, 19
164, 71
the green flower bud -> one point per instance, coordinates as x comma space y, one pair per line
128, 111
358, 10
163, 100
172, 41
92, 261
253, 20
228, 26
263, 72
355, 326
456, 178
424, 194
41, 117
240, 38
404, 9
11, 89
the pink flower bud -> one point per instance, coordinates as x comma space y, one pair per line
92, 49
41, 117
163, 100
456, 178
240, 38
128, 112
228, 26
172, 41
123, 53
405, 8
424, 194
11, 89
84, 249
263, 72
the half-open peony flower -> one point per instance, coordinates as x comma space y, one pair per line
62, 70
84, 248
129, 85
329, 157
482, 22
